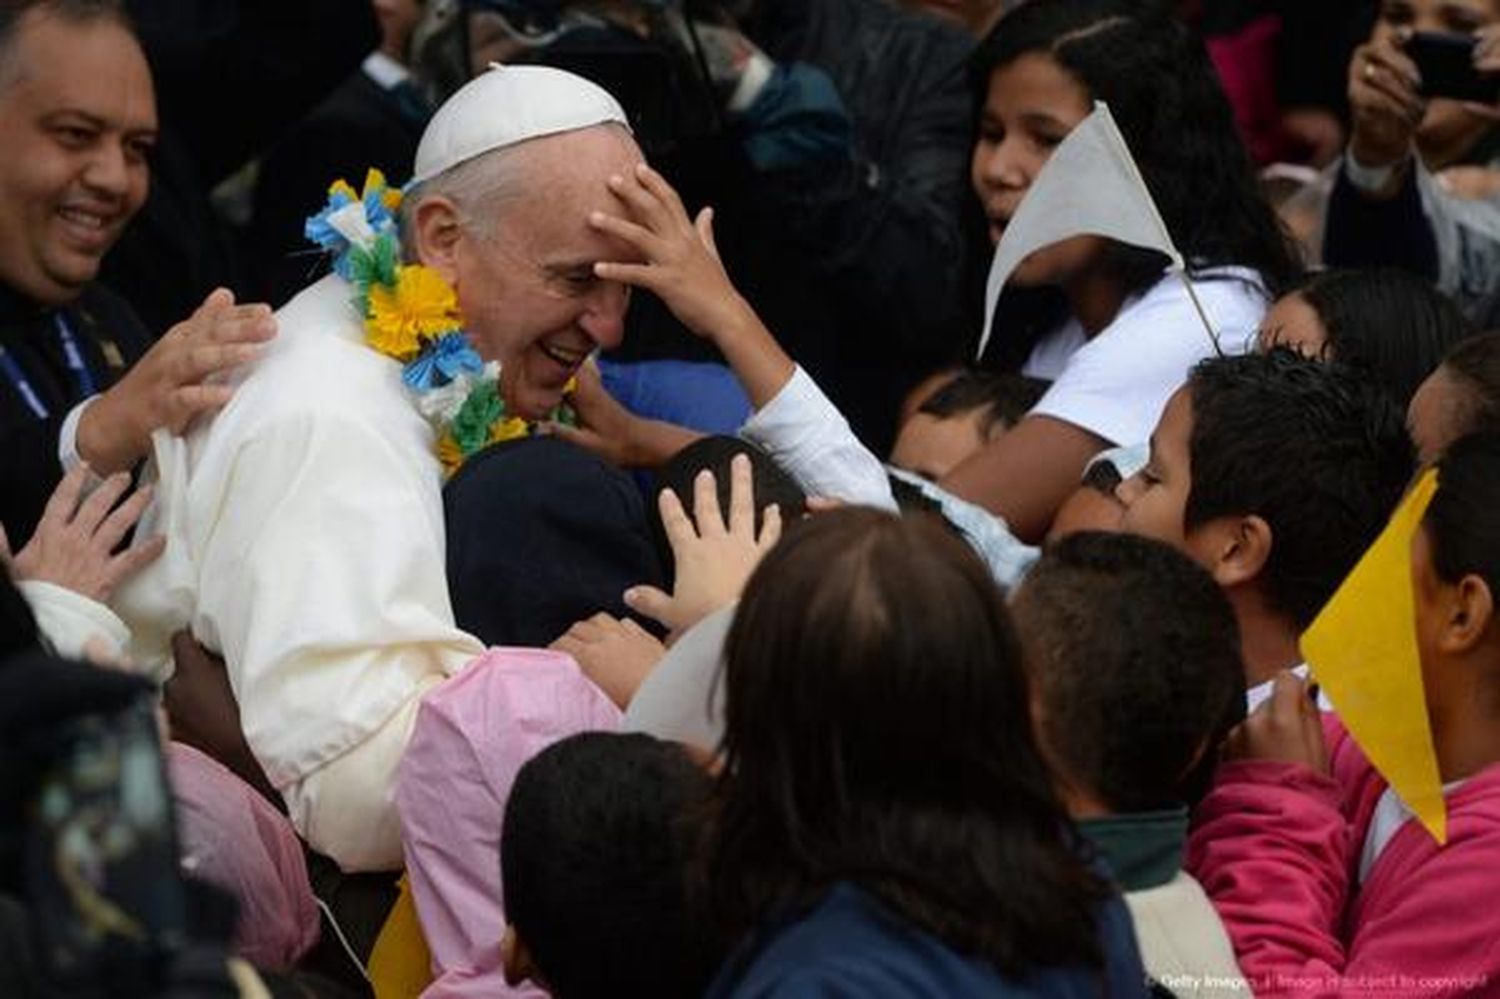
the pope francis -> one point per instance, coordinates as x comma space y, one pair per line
304, 523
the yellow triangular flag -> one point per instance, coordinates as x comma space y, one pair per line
1363, 651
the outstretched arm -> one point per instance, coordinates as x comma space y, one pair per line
681, 265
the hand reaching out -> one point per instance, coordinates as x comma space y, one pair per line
175, 382
682, 265
617, 655
683, 269
1287, 727
714, 557
73, 546
613, 432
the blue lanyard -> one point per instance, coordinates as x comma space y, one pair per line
22, 383
76, 365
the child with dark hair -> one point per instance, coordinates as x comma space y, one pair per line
1275, 473
594, 854
1129, 332
1390, 324
884, 824
1133, 653
960, 417
1326, 884
1461, 397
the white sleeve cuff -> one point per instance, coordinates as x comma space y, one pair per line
813, 443
68, 620
67, 437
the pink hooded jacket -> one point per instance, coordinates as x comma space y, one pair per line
1277, 848
472, 735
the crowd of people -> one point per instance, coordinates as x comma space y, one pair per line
519, 497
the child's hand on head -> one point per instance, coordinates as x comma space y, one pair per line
1287, 727
617, 655
714, 558
682, 265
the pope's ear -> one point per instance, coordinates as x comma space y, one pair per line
437, 232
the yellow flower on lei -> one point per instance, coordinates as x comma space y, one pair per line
421, 305
450, 455
508, 429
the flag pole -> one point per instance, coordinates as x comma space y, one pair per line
1213, 337
1135, 172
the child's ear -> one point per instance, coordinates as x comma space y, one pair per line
1239, 548
1469, 609
515, 959
437, 232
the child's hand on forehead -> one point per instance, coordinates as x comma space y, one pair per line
682, 265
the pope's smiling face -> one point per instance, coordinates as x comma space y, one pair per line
77, 122
525, 280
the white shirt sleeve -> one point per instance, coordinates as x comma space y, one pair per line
813, 443
67, 436
68, 620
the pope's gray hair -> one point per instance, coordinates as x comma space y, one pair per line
479, 188
482, 188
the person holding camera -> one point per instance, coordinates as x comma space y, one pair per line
1418, 188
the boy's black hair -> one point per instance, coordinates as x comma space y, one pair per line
1388, 323
772, 485
593, 855
1461, 522
1005, 398
1475, 365
1135, 653
1317, 451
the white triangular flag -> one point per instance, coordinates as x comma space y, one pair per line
1089, 186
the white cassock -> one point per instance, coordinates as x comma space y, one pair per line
305, 543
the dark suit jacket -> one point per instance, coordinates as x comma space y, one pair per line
110, 338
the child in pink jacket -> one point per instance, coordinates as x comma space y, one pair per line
1325, 882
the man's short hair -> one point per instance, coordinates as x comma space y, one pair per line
1316, 450
72, 11
1135, 653
1006, 398
594, 853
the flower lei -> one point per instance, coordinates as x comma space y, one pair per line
411, 314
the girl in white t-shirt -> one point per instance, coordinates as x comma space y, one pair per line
1133, 332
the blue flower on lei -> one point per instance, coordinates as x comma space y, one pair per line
325, 230
443, 360
318, 229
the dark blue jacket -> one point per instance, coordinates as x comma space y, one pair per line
851, 945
